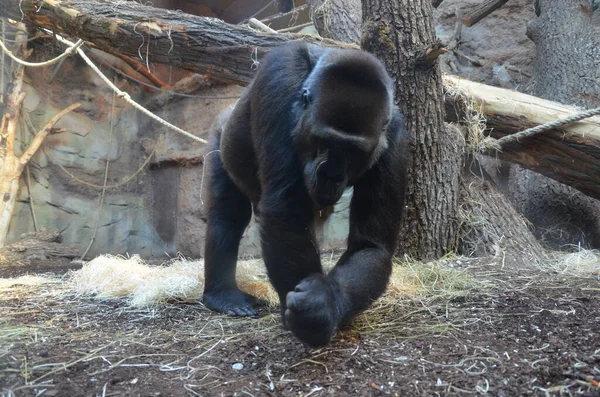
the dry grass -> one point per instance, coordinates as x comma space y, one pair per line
474, 120
583, 263
142, 285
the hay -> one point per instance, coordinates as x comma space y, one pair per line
412, 279
584, 263
143, 285
10, 284
474, 119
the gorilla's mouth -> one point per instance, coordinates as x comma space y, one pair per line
325, 183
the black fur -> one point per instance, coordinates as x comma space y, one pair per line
313, 122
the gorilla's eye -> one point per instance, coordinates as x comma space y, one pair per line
306, 98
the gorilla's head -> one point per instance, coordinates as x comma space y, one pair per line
345, 104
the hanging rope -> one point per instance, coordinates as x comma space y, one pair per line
72, 48
497, 144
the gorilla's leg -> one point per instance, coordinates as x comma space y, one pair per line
229, 212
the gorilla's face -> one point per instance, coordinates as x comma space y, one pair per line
326, 173
345, 112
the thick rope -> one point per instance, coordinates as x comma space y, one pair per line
72, 48
497, 144
125, 96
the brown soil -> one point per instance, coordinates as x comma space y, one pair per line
531, 335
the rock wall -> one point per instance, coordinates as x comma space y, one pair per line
494, 51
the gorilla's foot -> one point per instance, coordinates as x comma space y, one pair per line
314, 310
232, 302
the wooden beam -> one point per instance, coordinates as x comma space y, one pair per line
570, 155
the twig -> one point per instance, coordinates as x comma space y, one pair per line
296, 27
139, 68
259, 25
31, 204
107, 163
96, 186
3, 63
429, 57
262, 9
282, 14
454, 41
94, 352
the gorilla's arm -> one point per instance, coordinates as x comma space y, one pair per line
376, 210
289, 251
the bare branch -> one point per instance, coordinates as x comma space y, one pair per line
41, 135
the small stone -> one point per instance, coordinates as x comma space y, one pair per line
44, 353
238, 366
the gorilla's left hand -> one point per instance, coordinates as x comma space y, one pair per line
315, 309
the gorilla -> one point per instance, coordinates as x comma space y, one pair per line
313, 122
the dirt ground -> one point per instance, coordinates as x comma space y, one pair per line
519, 333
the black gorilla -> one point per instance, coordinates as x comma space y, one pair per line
313, 122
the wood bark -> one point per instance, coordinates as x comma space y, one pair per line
567, 55
204, 45
399, 32
570, 155
337, 19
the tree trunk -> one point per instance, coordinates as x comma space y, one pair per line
399, 32
567, 52
490, 225
567, 71
337, 19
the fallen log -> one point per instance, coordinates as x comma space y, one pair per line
223, 52
41, 245
570, 155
